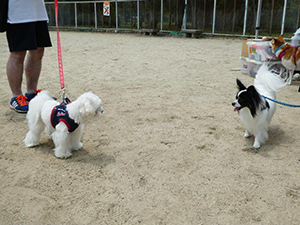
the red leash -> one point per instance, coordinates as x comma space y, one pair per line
60, 63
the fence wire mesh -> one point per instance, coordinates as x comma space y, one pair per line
168, 15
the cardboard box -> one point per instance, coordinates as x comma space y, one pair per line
244, 52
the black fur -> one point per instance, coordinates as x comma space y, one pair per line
241, 86
250, 98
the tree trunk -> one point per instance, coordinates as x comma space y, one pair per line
131, 9
224, 16
254, 12
271, 18
177, 14
233, 19
82, 16
204, 14
194, 10
170, 15
89, 15
154, 14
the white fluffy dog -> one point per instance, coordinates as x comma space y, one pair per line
63, 122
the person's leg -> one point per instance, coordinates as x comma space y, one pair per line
33, 66
22, 37
14, 71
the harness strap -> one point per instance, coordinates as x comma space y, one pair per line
281, 54
60, 114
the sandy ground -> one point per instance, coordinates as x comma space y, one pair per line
168, 149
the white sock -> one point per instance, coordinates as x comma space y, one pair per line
30, 92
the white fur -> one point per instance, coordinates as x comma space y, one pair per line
267, 84
87, 106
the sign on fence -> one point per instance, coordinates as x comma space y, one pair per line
106, 8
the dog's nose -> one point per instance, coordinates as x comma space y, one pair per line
233, 104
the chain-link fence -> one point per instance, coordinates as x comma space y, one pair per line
231, 17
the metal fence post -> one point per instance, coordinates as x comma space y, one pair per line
257, 27
214, 17
161, 14
95, 10
76, 24
283, 17
138, 14
184, 16
117, 25
245, 17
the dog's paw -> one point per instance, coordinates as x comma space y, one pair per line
247, 134
256, 145
62, 155
30, 144
296, 77
77, 146
31, 140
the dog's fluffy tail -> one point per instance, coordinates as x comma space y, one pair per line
267, 80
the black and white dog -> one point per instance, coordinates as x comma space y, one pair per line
254, 110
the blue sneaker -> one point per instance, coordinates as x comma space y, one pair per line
31, 96
19, 104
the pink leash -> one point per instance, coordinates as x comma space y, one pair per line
60, 63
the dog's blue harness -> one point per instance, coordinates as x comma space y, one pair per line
60, 114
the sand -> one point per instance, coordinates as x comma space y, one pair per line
168, 149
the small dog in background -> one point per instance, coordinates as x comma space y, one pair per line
254, 110
288, 55
63, 122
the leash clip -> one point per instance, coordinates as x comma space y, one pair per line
65, 100
63, 95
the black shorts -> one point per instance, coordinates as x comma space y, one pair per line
28, 36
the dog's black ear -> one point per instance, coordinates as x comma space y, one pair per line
255, 95
251, 89
240, 85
